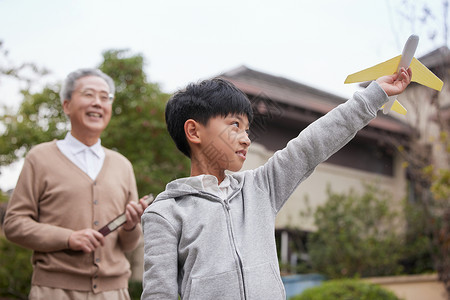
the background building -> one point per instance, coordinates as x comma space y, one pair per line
283, 108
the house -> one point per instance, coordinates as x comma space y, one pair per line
282, 109
429, 110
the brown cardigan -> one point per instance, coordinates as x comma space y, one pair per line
53, 198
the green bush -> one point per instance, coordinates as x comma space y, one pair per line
346, 289
355, 236
416, 256
135, 289
15, 270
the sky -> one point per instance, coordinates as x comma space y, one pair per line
316, 43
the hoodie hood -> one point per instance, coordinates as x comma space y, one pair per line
194, 186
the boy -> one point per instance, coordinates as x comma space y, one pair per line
211, 235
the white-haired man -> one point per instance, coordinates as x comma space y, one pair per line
67, 190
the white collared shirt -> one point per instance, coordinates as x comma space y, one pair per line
88, 159
209, 183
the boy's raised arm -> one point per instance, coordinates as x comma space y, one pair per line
281, 175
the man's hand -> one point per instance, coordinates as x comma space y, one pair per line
86, 240
397, 83
134, 212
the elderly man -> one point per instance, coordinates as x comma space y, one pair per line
68, 190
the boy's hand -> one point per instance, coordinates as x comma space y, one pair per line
397, 83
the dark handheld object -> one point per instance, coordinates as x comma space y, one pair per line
120, 220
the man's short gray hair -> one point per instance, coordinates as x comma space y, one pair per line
69, 83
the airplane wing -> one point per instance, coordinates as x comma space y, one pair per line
388, 67
422, 75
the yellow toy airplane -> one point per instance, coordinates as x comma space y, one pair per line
420, 73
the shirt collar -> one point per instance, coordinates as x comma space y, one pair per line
206, 182
211, 181
76, 146
97, 149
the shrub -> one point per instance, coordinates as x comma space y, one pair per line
346, 289
15, 271
355, 235
135, 289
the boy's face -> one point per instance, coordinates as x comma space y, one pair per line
225, 142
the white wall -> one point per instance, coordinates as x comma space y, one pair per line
340, 179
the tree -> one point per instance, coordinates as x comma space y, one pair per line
137, 128
16, 270
357, 235
427, 157
39, 119
427, 153
26, 72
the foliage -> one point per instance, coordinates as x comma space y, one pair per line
439, 218
39, 119
26, 72
356, 236
346, 289
135, 289
427, 153
136, 130
428, 159
416, 255
16, 270
12, 146
418, 17
3, 197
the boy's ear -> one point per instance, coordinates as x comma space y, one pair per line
191, 129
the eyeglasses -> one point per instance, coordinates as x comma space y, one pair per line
91, 95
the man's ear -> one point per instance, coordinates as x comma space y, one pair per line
65, 106
191, 129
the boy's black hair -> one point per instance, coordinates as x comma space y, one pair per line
201, 102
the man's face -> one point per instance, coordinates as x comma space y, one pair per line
89, 109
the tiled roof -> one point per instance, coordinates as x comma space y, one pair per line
286, 91
438, 57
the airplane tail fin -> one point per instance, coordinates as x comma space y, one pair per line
396, 106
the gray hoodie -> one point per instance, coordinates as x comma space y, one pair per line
200, 246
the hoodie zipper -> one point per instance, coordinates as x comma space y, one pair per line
241, 268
